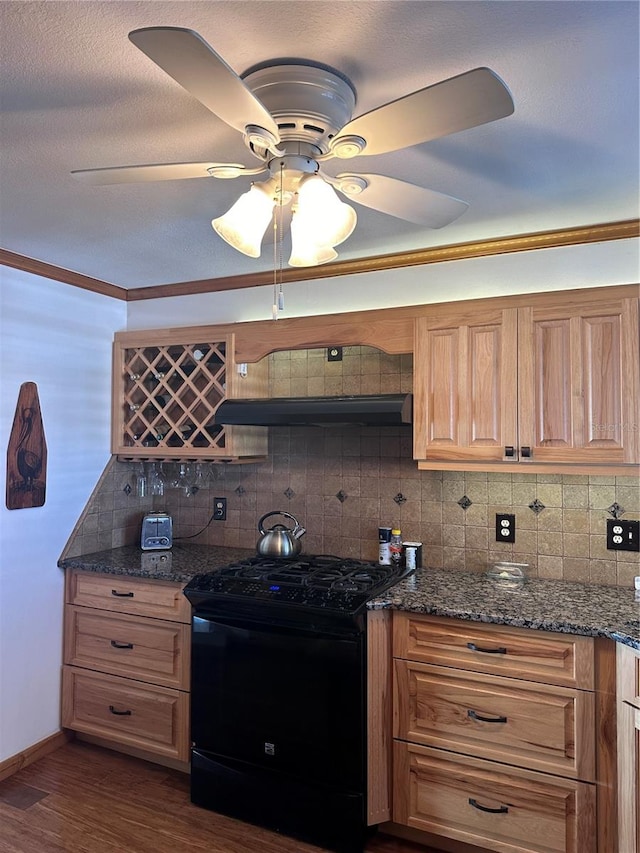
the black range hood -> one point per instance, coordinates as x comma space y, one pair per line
370, 410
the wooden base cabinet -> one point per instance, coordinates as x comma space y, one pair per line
494, 735
126, 672
628, 694
493, 806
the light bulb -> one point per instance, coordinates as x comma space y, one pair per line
244, 224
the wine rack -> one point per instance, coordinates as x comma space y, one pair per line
166, 394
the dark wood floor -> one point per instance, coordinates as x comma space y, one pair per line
84, 799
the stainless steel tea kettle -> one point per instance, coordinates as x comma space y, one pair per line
279, 541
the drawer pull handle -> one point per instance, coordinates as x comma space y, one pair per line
121, 594
476, 805
117, 645
475, 716
499, 651
119, 713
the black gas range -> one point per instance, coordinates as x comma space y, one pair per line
279, 694
322, 582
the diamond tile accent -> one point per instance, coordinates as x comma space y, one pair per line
537, 506
289, 493
127, 489
615, 510
342, 496
240, 491
465, 502
400, 498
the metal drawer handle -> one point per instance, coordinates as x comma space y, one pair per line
499, 651
476, 805
122, 594
117, 645
119, 713
475, 716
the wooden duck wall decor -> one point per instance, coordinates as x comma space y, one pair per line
27, 452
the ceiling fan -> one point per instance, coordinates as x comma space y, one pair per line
293, 117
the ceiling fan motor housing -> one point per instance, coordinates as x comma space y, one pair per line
310, 103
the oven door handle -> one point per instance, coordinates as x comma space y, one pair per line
201, 623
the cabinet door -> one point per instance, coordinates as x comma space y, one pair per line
579, 381
465, 370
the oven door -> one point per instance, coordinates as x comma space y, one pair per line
281, 698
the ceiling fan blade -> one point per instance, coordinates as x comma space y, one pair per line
401, 199
185, 56
160, 172
468, 100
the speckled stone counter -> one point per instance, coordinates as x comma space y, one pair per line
570, 608
180, 564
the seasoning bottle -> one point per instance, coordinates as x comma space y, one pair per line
384, 540
395, 546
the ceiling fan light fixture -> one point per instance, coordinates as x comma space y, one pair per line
305, 252
322, 214
244, 224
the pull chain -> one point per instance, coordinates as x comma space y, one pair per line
278, 292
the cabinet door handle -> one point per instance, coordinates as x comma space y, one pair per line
525, 452
117, 645
475, 716
119, 713
476, 805
121, 594
499, 651
509, 451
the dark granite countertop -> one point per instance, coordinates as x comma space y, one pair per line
570, 608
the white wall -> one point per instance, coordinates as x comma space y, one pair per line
59, 337
565, 268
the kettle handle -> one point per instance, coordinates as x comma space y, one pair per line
275, 512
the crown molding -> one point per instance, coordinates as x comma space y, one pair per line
21, 262
457, 251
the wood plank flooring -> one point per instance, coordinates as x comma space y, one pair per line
85, 799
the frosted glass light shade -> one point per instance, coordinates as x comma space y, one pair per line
306, 253
244, 224
328, 220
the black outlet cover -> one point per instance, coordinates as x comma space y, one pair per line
505, 527
623, 535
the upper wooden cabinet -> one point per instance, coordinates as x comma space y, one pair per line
167, 386
555, 383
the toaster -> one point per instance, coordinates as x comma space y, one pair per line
157, 532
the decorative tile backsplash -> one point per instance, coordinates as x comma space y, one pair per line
342, 484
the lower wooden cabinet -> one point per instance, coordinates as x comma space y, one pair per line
628, 694
506, 762
130, 712
493, 806
126, 667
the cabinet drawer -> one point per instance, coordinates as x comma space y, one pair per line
533, 725
515, 652
132, 646
159, 599
490, 805
152, 718
628, 674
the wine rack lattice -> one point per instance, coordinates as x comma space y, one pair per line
171, 393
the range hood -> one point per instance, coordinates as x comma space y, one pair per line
370, 410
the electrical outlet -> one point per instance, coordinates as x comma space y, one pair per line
219, 509
623, 535
505, 527
334, 354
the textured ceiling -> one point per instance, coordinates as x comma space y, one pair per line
76, 94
